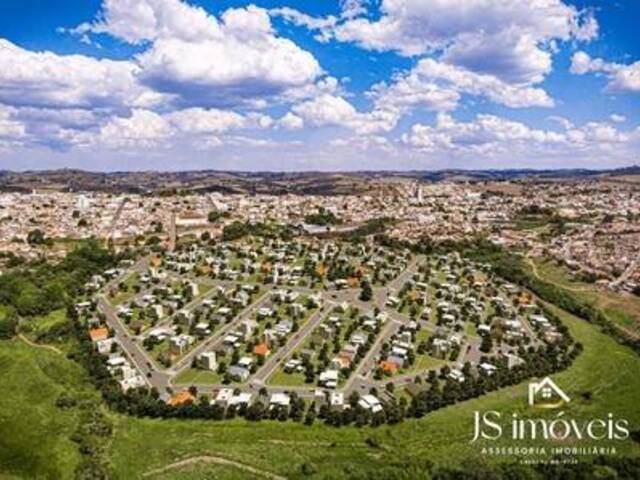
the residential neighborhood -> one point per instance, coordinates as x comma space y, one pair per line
310, 318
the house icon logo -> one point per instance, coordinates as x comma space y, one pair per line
546, 394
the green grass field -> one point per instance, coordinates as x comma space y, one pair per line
46, 322
192, 376
284, 379
623, 309
34, 433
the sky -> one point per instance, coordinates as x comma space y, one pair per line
322, 85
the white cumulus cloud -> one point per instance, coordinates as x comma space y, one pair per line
622, 78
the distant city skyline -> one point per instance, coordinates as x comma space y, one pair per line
108, 85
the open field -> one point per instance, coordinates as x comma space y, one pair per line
34, 433
602, 380
42, 325
623, 309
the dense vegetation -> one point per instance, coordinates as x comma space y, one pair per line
237, 230
322, 217
44, 287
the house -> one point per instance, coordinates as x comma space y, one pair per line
371, 403
315, 300
546, 393
157, 311
319, 398
340, 362
97, 334
540, 321
242, 398
513, 360
245, 362
192, 287
184, 317
392, 301
291, 296
359, 339
116, 361
161, 334
223, 397
135, 381
207, 361
456, 375
388, 367
283, 327
340, 283
279, 400
104, 346
292, 365
242, 298
261, 350
487, 368
336, 400
124, 312
180, 343
329, 378
484, 330
202, 329
238, 373
247, 327
396, 360
83, 306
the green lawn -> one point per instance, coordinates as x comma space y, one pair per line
288, 379
423, 363
471, 330
123, 296
193, 375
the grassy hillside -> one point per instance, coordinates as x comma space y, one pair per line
622, 309
34, 433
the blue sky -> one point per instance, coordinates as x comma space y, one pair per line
323, 85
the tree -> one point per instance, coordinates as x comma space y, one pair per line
487, 344
8, 325
36, 237
214, 216
366, 293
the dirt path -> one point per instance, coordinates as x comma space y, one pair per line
38, 345
534, 268
217, 461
